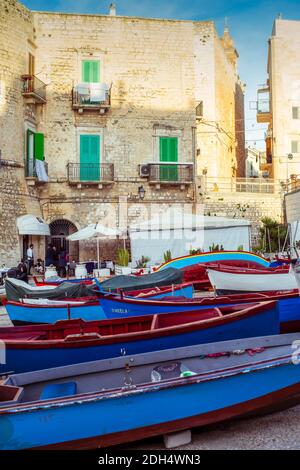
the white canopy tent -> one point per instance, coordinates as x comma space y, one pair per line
32, 225
96, 231
179, 232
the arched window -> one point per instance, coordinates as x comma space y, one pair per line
59, 230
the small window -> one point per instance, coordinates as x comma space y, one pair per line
296, 112
295, 146
91, 71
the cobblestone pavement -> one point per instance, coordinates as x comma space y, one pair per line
276, 431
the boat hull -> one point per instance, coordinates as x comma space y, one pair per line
25, 314
263, 321
289, 307
225, 282
124, 417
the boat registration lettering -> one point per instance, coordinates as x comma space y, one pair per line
119, 310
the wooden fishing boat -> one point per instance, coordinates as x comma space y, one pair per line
87, 281
198, 274
32, 311
112, 401
230, 257
178, 290
68, 342
227, 281
288, 303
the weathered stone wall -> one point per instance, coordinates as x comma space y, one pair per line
284, 78
16, 29
250, 206
159, 70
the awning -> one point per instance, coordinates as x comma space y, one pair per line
32, 225
94, 231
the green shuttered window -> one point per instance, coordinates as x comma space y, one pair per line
168, 152
91, 71
89, 157
39, 146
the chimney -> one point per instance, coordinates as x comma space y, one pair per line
112, 9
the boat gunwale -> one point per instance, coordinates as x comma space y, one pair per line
249, 310
147, 387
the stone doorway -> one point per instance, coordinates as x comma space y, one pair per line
59, 230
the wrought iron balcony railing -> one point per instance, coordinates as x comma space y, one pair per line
90, 172
34, 88
171, 173
91, 96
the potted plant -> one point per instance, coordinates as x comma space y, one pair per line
121, 266
167, 256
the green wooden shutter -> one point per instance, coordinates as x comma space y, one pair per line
168, 152
89, 157
39, 146
91, 71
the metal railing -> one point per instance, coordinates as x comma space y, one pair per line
90, 172
171, 173
293, 184
33, 86
91, 95
240, 185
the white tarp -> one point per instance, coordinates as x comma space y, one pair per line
31, 225
179, 232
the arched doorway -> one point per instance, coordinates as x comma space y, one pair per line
59, 230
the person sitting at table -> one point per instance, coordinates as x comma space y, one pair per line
21, 271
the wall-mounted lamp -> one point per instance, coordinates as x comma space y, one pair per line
141, 192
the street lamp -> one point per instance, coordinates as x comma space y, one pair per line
141, 192
289, 158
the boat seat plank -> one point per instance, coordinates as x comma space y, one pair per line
58, 390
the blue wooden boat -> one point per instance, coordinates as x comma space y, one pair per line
288, 302
22, 313
44, 346
35, 311
112, 401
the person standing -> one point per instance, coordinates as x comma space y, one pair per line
30, 257
62, 263
49, 256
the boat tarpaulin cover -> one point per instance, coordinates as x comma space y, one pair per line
16, 290
165, 277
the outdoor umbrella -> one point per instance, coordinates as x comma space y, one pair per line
96, 231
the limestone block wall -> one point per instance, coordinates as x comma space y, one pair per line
150, 65
284, 76
251, 206
16, 30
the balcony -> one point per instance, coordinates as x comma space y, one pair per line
36, 173
90, 174
34, 89
171, 173
92, 97
263, 105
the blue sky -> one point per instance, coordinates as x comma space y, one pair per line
250, 23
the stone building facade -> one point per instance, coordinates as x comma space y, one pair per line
279, 100
121, 109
